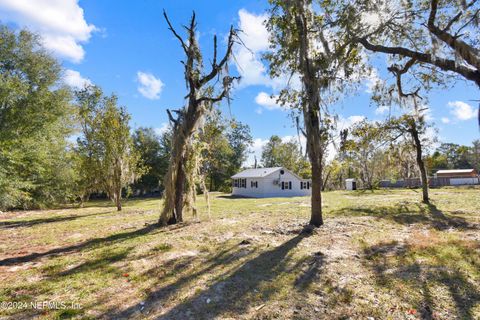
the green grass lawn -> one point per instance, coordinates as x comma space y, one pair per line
380, 255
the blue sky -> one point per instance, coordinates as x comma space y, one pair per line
126, 48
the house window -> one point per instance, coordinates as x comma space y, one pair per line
286, 185
305, 185
253, 184
240, 183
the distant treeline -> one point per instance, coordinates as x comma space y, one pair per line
59, 145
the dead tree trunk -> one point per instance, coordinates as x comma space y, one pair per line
202, 95
179, 192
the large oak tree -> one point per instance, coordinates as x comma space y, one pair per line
302, 44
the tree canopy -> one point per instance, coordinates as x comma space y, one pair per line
35, 122
109, 160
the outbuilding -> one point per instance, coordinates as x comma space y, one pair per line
270, 182
350, 184
458, 177
457, 173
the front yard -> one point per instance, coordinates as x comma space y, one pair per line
380, 255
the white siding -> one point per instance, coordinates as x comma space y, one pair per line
463, 181
267, 187
249, 191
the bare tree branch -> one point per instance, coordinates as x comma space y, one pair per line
171, 118
170, 27
217, 67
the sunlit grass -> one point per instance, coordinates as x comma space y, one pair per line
380, 254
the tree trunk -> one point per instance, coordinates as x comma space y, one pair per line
118, 199
316, 218
314, 148
311, 113
174, 180
324, 184
179, 194
119, 204
83, 199
421, 164
315, 152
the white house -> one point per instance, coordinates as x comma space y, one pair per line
270, 182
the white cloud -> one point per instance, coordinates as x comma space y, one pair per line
164, 127
255, 151
150, 87
250, 68
248, 57
75, 80
269, 102
382, 109
423, 110
462, 110
255, 34
445, 120
61, 23
426, 111
344, 123
303, 141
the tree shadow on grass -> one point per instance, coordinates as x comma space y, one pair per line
232, 290
409, 270
101, 264
231, 196
406, 215
33, 222
117, 237
104, 264
442, 221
